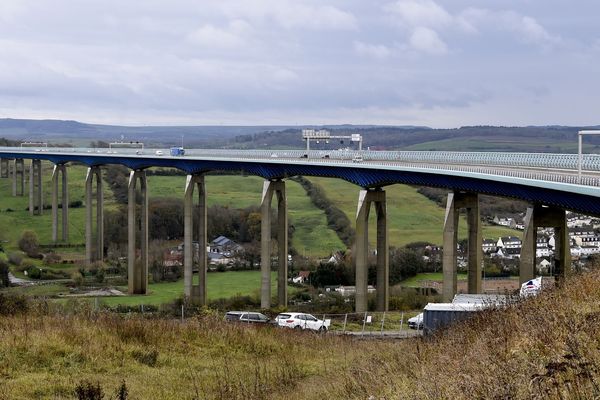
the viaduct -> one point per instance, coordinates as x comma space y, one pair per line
550, 183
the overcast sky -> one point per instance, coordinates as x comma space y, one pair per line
443, 63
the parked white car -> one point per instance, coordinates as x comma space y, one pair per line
416, 322
302, 321
159, 153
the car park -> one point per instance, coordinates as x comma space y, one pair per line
301, 321
416, 322
248, 317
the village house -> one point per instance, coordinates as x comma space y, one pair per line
224, 245
509, 242
489, 246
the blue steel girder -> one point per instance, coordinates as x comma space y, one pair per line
366, 176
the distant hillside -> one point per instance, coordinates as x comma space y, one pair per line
476, 138
470, 138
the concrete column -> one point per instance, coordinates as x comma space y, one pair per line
456, 201
19, 177
35, 188
196, 293
475, 254
13, 175
361, 250
137, 271
90, 255
383, 253
270, 187
282, 243
99, 212
60, 169
528, 248
4, 166
449, 255
539, 216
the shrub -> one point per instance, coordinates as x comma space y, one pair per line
13, 304
29, 243
89, 391
15, 258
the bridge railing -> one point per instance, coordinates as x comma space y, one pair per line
491, 163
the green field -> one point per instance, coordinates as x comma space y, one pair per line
219, 285
311, 237
411, 216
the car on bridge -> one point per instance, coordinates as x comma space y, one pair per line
302, 321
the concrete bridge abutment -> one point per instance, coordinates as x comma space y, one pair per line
60, 171
270, 188
195, 292
548, 217
361, 249
456, 201
137, 278
90, 255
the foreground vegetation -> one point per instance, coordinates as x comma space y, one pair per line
544, 347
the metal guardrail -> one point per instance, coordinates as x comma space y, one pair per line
561, 168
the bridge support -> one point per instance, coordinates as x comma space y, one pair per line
35, 188
455, 202
92, 172
194, 292
137, 269
18, 175
4, 168
270, 188
539, 216
361, 249
62, 170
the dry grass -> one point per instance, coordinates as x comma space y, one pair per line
546, 347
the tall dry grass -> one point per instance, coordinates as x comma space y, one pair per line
545, 347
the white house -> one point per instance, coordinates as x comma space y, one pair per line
488, 246
509, 242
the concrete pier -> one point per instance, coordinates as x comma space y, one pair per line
60, 169
270, 188
456, 201
90, 254
35, 188
137, 268
194, 292
18, 175
548, 217
361, 249
4, 167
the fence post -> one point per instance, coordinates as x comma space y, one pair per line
345, 321
182, 316
382, 323
364, 323
401, 321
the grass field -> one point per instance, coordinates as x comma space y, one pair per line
16, 221
312, 237
411, 216
219, 285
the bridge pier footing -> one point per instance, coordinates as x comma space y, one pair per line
137, 269
35, 188
194, 292
269, 188
92, 172
60, 169
456, 201
540, 216
361, 249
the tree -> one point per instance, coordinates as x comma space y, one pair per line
404, 263
4, 281
29, 243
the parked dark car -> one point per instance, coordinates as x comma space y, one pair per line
248, 317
